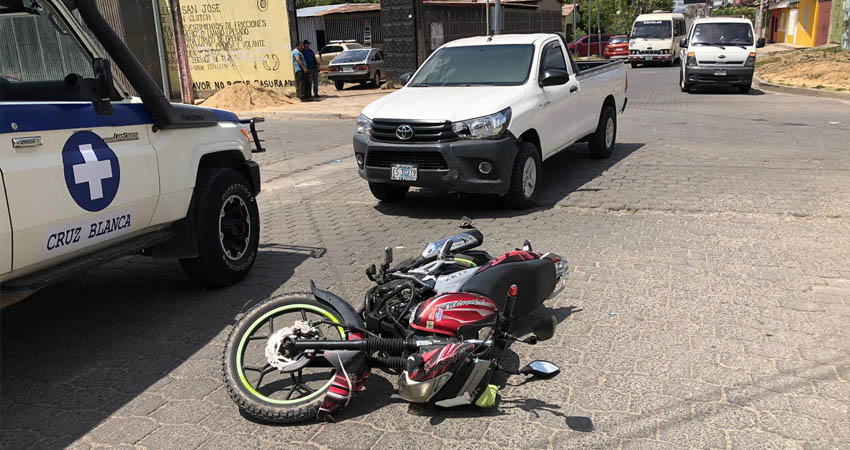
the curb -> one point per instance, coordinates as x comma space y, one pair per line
295, 115
765, 86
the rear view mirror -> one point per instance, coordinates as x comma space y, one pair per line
103, 86
554, 77
760, 43
683, 43
540, 368
405, 78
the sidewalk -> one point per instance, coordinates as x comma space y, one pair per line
771, 49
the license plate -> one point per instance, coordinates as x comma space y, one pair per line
720, 72
348, 69
649, 58
404, 172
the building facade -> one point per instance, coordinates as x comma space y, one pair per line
800, 22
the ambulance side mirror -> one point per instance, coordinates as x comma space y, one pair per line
102, 95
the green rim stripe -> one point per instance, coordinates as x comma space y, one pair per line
466, 261
257, 323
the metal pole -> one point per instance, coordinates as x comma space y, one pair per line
589, 23
498, 18
487, 19
575, 11
759, 19
598, 30
163, 63
182, 55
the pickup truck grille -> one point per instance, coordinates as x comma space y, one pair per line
385, 130
423, 160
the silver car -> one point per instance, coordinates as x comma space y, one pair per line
357, 66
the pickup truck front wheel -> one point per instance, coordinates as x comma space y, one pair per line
525, 177
602, 142
227, 226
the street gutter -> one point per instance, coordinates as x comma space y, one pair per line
822, 93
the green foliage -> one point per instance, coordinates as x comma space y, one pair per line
738, 11
616, 16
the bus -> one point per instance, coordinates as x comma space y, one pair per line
655, 38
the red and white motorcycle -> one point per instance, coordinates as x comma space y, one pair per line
435, 321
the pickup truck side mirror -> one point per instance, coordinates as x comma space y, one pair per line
405, 78
554, 77
683, 43
103, 86
760, 43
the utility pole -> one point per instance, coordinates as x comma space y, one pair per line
182, 55
497, 18
575, 24
598, 29
759, 19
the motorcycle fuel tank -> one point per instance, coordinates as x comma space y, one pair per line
447, 313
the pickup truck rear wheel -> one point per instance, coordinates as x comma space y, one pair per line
602, 142
227, 226
389, 193
525, 177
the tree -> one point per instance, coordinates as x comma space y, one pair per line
617, 16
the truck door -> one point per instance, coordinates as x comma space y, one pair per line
5, 231
76, 178
560, 103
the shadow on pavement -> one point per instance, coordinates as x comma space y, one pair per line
722, 90
563, 174
78, 351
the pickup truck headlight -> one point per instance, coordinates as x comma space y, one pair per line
364, 125
487, 127
751, 60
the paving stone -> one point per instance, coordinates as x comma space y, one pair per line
175, 436
122, 431
762, 440
348, 435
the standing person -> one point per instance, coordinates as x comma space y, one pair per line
310, 58
302, 87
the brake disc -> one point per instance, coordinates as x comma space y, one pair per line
276, 359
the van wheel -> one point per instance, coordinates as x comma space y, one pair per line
227, 226
525, 178
339, 85
602, 142
389, 193
683, 85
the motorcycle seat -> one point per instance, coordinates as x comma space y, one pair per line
535, 280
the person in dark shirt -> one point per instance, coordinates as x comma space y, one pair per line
310, 59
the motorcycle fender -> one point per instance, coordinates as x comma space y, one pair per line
348, 313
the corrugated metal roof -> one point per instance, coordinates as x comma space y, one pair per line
352, 8
314, 10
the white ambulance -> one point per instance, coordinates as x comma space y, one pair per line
89, 173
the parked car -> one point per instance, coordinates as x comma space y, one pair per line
593, 44
332, 50
114, 175
482, 114
720, 50
655, 38
618, 47
363, 65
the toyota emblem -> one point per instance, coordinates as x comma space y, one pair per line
404, 132
721, 56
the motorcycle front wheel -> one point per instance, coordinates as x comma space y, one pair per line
263, 391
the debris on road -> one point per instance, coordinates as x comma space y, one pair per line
241, 97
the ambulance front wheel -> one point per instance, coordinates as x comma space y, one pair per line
227, 227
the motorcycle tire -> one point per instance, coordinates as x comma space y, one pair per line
261, 406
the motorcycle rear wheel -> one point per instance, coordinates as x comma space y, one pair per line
272, 402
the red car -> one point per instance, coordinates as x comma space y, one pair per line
618, 47
589, 45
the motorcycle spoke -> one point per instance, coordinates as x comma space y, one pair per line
271, 325
252, 368
266, 370
254, 338
304, 315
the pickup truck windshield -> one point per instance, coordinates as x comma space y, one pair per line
723, 33
661, 29
495, 65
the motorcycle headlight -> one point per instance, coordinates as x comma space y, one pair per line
751, 60
364, 125
487, 127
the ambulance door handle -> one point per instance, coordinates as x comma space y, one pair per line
29, 141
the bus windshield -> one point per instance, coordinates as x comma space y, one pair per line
658, 29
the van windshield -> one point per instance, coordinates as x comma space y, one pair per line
495, 65
723, 33
658, 29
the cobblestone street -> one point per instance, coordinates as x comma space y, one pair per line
707, 304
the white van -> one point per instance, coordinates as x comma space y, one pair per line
655, 38
720, 50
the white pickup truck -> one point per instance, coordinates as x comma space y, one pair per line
481, 115
89, 173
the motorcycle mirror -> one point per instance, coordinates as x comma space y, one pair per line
540, 368
545, 329
447, 247
526, 246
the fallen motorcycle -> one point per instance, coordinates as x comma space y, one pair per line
435, 321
